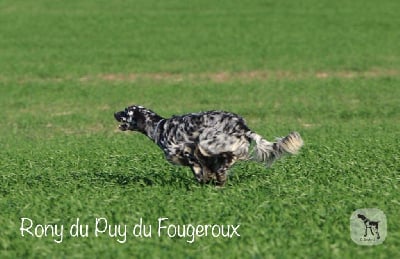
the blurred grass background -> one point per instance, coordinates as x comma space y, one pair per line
327, 69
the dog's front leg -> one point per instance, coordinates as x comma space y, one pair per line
197, 169
189, 150
370, 229
197, 172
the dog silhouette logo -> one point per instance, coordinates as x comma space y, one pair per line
373, 226
368, 226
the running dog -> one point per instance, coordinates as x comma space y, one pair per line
208, 142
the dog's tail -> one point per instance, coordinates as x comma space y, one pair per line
268, 152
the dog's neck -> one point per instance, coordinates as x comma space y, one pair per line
157, 131
152, 126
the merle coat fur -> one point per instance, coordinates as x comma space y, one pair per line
208, 142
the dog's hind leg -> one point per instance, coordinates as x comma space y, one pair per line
208, 174
227, 160
377, 232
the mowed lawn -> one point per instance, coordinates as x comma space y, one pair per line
329, 70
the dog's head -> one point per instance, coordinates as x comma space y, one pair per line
133, 118
360, 216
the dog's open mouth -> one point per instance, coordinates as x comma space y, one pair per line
120, 117
123, 126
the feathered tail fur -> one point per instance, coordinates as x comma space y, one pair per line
268, 152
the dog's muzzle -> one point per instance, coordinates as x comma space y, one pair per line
121, 117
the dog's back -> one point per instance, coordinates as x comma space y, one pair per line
214, 132
190, 126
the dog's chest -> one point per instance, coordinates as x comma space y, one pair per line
178, 140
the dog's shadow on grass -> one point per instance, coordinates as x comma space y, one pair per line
166, 176
150, 178
162, 179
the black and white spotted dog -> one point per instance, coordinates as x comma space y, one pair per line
373, 226
208, 142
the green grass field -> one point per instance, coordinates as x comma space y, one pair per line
328, 69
